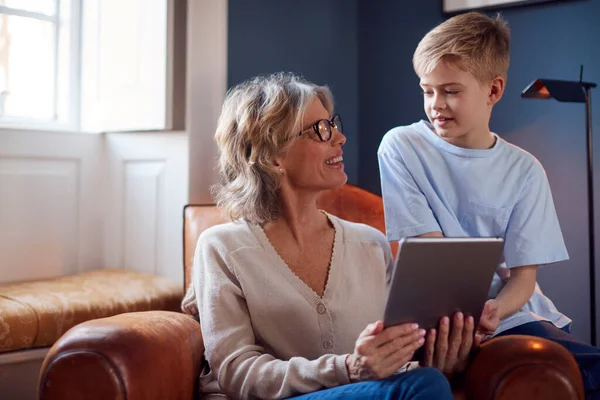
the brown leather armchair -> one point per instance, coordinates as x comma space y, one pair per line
157, 355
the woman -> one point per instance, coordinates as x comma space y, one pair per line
289, 297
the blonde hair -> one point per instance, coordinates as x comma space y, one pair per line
473, 42
259, 120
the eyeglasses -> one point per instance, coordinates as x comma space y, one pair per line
323, 127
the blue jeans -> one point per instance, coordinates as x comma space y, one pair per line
418, 384
587, 357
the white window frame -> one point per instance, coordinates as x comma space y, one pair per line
175, 79
72, 122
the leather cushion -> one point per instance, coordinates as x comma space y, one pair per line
37, 313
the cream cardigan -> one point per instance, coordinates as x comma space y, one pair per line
266, 333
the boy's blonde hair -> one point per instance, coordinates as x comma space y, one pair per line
259, 120
473, 42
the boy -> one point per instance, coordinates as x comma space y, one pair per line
451, 176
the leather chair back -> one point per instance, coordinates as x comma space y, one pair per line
348, 202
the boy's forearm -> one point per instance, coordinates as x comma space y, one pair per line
518, 290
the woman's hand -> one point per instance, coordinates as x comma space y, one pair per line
379, 352
448, 350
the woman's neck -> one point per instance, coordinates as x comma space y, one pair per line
300, 218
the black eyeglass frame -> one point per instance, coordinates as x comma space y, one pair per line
330, 124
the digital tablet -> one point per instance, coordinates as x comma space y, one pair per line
436, 277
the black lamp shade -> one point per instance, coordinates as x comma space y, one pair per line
566, 91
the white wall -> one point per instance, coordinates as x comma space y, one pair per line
146, 193
207, 84
72, 202
50, 214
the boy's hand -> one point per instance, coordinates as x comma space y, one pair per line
490, 318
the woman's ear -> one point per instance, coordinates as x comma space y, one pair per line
277, 163
279, 160
496, 90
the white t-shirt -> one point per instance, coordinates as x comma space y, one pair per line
431, 185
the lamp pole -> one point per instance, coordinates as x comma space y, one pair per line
590, 188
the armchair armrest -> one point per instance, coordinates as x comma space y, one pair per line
523, 367
141, 355
157, 355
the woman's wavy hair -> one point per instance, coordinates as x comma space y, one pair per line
260, 118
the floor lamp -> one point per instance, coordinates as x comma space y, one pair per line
576, 92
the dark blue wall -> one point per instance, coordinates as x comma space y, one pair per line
548, 41
389, 92
314, 38
363, 50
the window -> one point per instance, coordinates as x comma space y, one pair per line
86, 65
36, 61
124, 65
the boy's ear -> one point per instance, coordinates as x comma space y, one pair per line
496, 90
